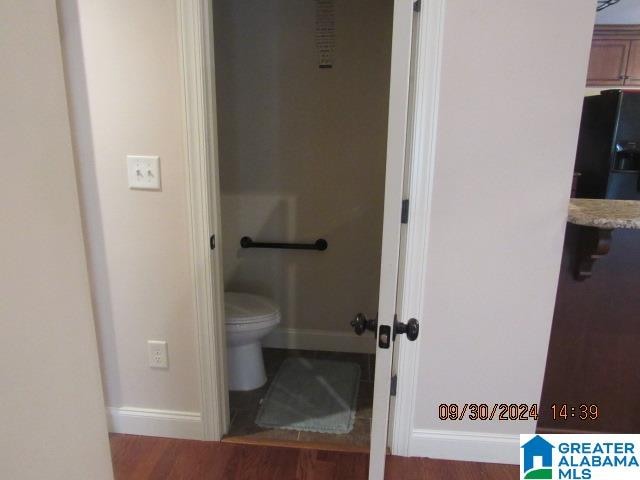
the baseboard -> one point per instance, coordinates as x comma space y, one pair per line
307, 339
155, 423
465, 446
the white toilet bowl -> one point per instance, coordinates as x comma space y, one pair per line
248, 319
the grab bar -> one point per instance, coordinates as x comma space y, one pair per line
320, 244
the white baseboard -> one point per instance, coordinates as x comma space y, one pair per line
155, 423
465, 446
327, 340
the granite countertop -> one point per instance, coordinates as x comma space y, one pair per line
606, 214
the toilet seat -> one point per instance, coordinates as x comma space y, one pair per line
246, 308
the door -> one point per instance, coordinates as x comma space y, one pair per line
608, 62
392, 231
403, 251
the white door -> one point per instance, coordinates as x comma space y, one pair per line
392, 231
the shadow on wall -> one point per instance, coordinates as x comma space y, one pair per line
86, 179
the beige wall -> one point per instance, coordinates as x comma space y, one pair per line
509, 109
302, 154
52, 422
123, 72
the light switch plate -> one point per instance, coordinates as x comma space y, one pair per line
143, 172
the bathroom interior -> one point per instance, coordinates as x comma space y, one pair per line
302, 102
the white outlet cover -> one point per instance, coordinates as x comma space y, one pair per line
143, 172
158, 354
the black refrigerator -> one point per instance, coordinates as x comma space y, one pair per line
608, 155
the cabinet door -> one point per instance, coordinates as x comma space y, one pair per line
608, 62
633, 66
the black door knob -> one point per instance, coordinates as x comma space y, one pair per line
361, 324
411, 329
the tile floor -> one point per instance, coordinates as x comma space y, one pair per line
244, 405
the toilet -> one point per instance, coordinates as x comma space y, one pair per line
248, 319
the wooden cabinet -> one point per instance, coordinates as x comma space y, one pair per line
608, 62
633, 66
615, 56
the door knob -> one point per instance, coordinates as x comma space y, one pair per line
411, 329
361, 324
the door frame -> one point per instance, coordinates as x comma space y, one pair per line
195, 38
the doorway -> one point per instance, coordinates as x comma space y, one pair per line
302, 107
197, 35
591, 380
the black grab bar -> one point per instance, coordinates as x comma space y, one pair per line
320, 244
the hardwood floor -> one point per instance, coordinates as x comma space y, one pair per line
593, 350
138, 458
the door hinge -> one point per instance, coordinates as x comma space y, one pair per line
394, 385
417, 5
212, 242
404, 215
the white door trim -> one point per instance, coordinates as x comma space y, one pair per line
422, 154
195, 32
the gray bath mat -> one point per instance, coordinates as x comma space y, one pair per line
312, 395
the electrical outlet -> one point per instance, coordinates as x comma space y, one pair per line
143, 172
158, 354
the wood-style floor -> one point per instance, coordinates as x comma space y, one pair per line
138, 458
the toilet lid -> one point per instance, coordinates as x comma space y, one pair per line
248, 308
